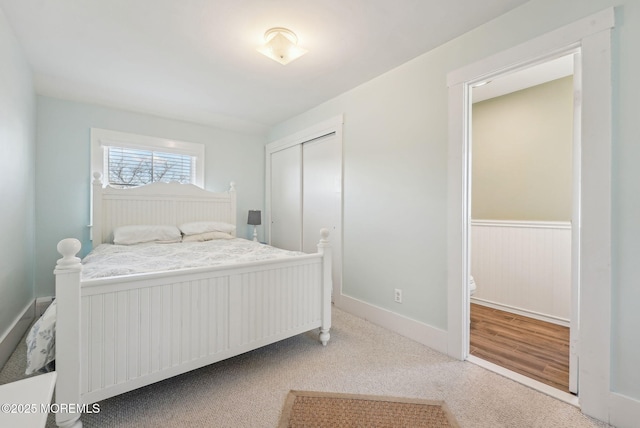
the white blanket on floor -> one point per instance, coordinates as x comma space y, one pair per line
41, 342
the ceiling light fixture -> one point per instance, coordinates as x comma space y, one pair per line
281, 45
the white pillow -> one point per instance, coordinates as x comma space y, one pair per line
197, 227
207, 236
137, 234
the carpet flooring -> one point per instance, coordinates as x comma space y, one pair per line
361, 358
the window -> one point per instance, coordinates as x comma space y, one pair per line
128, 160
134, 167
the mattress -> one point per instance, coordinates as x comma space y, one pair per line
109, 260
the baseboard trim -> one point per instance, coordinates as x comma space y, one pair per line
623, 411
14, 333
422, 333
524, 312
42, 303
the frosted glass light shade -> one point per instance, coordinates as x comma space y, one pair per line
281, 45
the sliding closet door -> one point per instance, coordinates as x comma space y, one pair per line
286, 198
322, 197
304, 192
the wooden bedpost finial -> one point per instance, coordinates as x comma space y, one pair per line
68, 248
232, 186
97, 178
324, 235
323, 244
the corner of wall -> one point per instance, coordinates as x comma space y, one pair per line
12, 336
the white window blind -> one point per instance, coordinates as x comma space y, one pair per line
127, 167
129, 160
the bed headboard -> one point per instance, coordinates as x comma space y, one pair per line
156, 203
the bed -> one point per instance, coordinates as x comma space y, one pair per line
114, 334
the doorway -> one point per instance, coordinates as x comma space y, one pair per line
592, 36
520, 161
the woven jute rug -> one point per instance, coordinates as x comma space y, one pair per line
322, 409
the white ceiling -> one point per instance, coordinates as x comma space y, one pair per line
526, 78
195, 60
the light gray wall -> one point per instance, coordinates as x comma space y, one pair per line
17, 172
395, 178
63, 170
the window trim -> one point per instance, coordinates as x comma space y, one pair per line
100, 138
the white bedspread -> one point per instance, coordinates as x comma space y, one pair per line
108, 260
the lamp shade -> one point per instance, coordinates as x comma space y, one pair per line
254, 218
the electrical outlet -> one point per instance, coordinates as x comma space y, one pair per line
397, 295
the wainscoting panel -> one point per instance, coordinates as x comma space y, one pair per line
524, 266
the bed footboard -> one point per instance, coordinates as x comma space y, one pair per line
114, 335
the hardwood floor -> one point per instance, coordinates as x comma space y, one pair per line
534, 348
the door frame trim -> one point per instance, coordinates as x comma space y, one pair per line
592, 35
318, 130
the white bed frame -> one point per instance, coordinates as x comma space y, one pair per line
114, 335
